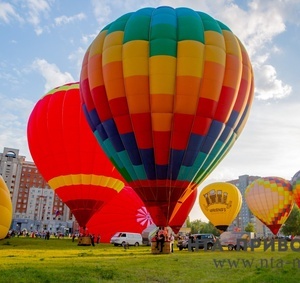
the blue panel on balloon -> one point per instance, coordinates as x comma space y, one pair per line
189, 158
129, 141
117, 143
92, 115
209, 142
175, 163
134, 156
161, 172
215, 129
195, 142
131, 148
110, 127
147, 156
225, 134
101, 132
242, 119
232, 119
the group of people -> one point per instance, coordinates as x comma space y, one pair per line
161, 237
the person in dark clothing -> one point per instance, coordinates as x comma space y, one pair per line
92, 240
98, 239
192, 241
160, 239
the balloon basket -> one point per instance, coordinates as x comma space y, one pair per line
165, 250
84, 241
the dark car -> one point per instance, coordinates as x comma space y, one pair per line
197, 239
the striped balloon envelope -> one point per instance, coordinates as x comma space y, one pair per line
166, 92
270, 199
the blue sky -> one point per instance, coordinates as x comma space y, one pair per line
42, 44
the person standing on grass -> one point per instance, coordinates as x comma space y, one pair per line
171, 239
98, 239
92, 240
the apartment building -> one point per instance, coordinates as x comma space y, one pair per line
35, 205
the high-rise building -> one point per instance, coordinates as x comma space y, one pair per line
35, 205
10, 170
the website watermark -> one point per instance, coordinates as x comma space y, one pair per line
280, 245
256, 263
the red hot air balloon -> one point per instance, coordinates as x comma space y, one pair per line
166, 92
126, 212
68, 156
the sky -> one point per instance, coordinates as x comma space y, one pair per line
42, 44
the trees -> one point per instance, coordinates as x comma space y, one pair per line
292, 224
250, 227
197, 226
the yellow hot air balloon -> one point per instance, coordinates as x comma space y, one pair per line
270, 199
5, 209
220, 202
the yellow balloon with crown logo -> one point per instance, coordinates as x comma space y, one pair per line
221, 203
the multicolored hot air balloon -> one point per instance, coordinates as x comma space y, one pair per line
125, 212
270, 199
166, 92
181, 212
5, 209
296, 188
221, 203
68, 156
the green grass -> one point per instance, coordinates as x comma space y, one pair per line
61, 260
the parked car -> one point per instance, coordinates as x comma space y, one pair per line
199, 239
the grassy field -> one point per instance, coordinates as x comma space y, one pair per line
61, 260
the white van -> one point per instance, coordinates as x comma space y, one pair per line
126, 238
229, 239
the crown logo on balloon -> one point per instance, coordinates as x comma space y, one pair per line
217, 197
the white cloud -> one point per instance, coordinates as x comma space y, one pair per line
51, 73
8, 13
102, 11
13, 123
268, 85
77, 57
66, 20
36, 7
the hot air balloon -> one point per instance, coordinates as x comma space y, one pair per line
166, 92
181, 212
125, 212
296, 188
5, 209
67, 155
270, 199
221, 203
